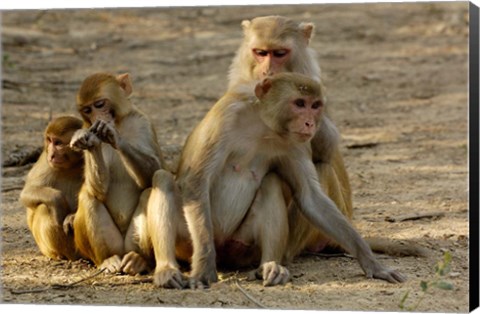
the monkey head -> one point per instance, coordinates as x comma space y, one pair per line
103, 96
274, 44
291, 104
57, 138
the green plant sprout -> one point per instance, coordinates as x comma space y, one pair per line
441, 270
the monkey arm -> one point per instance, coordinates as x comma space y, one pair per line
320, 210
322, 213
32, 196
54, 199
141, 162
97, 176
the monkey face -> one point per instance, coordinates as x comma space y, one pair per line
269, 62
100, 109
59, 154
306, 112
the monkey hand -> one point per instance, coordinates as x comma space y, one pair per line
373, 269
169, 277
106, 132
68, 224
272, 274
84, 140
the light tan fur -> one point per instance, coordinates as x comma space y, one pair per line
127, 192
235, 164
277, 33
51, 190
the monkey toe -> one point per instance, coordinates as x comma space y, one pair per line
202, 282
112, 264
133, 263
274, 274
170, 278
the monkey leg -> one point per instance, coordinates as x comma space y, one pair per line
138, 258
162, 207
96, 234
49, 235
267, 225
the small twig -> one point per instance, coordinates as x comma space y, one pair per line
58, 286
415, 216
329, 255
245, 293
362, 145
133, 282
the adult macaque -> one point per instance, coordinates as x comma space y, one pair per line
119, 219
51, 190
234, 163
275, 44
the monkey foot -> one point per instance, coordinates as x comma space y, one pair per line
133, 263
203, 281
272, 274
112, 264
170, 278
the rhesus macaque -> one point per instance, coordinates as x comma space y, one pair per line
275, 44
237, 161
126, 192
51, 190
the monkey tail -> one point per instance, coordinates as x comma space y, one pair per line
396, 247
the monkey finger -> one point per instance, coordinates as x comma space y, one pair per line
396, 277
272, 274
133, 263
68, 224
112, 264
194, 283
94, 127
391, 276
169, 278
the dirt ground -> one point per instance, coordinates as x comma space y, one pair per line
397, 78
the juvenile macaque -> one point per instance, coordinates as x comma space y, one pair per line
237, 161
126, 191
51, 190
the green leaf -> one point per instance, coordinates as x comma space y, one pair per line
447, 258
444, 285
424, 285
402, 302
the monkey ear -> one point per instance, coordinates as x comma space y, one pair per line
262, 88
246, 25
125, 83
307, 30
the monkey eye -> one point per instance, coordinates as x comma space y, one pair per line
260, 52
99, 103
280, 53
317, 104
87, 110
300, 103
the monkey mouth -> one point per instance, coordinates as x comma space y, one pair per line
57, 162
303, 137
